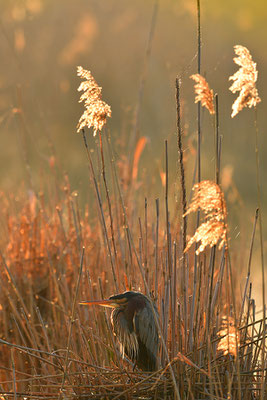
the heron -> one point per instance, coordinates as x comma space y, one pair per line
133, 323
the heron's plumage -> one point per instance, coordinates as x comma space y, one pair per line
134, 325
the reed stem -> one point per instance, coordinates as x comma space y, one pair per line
263, 385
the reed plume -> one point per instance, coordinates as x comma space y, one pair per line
244, 81
96, 110
203, 93
229, 337
210, 199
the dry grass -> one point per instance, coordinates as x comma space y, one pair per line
41, 262
53, 255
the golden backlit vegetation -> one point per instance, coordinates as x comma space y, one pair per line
96, 110
203, 93
229, 337
244, 81
54, 253
209, 198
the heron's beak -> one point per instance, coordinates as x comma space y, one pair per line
103, 303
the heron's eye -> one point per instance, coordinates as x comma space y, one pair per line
119, 301
122, 301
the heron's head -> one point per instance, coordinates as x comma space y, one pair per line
116, 301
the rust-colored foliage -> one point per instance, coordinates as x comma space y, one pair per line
137, 154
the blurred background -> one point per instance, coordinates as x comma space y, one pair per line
43, 41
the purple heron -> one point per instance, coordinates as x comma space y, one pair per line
134, 326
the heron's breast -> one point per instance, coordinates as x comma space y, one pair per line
123, 329
121, 322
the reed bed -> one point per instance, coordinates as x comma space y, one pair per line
54, 253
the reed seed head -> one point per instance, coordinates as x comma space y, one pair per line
210, 199
229, 337
96, 110
203, 93
244, 81
208, 234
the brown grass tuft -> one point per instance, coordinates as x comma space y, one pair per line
210, 199
203, 93
96, 110
244, 81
